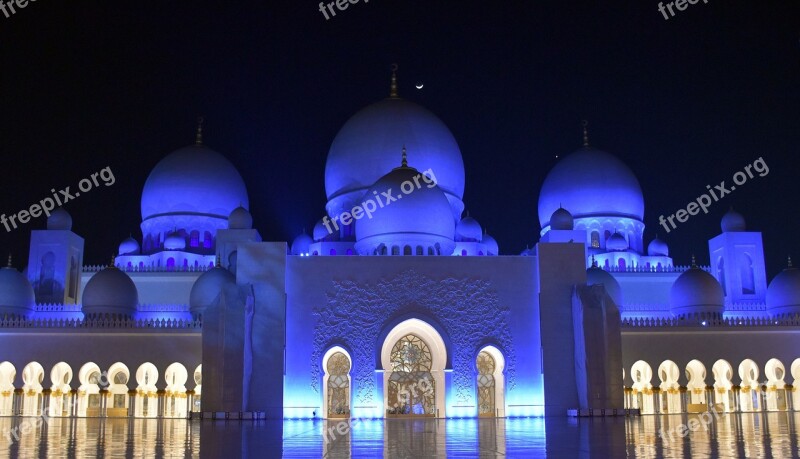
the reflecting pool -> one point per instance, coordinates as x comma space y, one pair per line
696, 436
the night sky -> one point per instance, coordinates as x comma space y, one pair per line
685, 102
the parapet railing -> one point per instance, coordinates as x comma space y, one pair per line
652, 269
710, 322
105, 323
149, 269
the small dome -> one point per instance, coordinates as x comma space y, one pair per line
59, 219
321, 231
207, 288
696, 291
657, 248
562, 220
733, 221
421, 217
617, 243
528, 252
110, 291
596, 275
302, 244
129, 247
16, 293
468, 230
783, 293
175, 242
491, 245
240, 218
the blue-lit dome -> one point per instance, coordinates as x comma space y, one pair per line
469, 230
596, 275
321, 231
696, 292
129, 247
240, 218
16, 293
491, 245
175, 242
367, 146
657, 248
591, 183
207, 288
420, 220
110, 291
59, 219
194, 189
562, 220
783, 293
617, 242
733, 221
301, 244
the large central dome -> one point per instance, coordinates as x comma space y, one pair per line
591, 183
366, 147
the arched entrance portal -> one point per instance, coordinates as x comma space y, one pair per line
490, 383
413, 357
336, 392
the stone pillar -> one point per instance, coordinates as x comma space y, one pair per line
710, 397
189, 403
684, 399
73, 403
737, 406
132, 403
162, 402
657, 400
789, 397
103, 403
19, 399
44, 409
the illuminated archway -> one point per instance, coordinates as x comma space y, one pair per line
118, 400
696, 385
336, 383
776, 392
7, 375
642, 374
490, 365
750, 390
146, 391
723, 385
60, 396
413, 357
668, 373
32, 379
89, 391
175, 399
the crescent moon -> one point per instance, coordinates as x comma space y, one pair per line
419, 86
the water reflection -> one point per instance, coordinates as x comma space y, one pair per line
771, 434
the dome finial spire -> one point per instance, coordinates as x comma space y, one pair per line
585, 133
393, 87
404, 161
113, 261
11, 266
789, 261
594, 262
694, 262
198, 138
217, 262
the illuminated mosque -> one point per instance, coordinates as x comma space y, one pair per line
412, 311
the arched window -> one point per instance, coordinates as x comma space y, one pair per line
721, 274
419, 250
486, 385
208, 240
747, 274
395, 250
338, 368
73, 278
170, 264
194, 239
621, 264
349, 251
430, 250
463, 252
596, 239
411, 384
407, 250
333, 252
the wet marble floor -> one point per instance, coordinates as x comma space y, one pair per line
753, 435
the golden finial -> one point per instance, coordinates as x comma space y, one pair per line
694, 262
11, 266
404, 161
393, 88
217, 262
585, 133
198, 139
789, 261
594, 262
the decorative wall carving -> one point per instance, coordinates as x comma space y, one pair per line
468, 309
